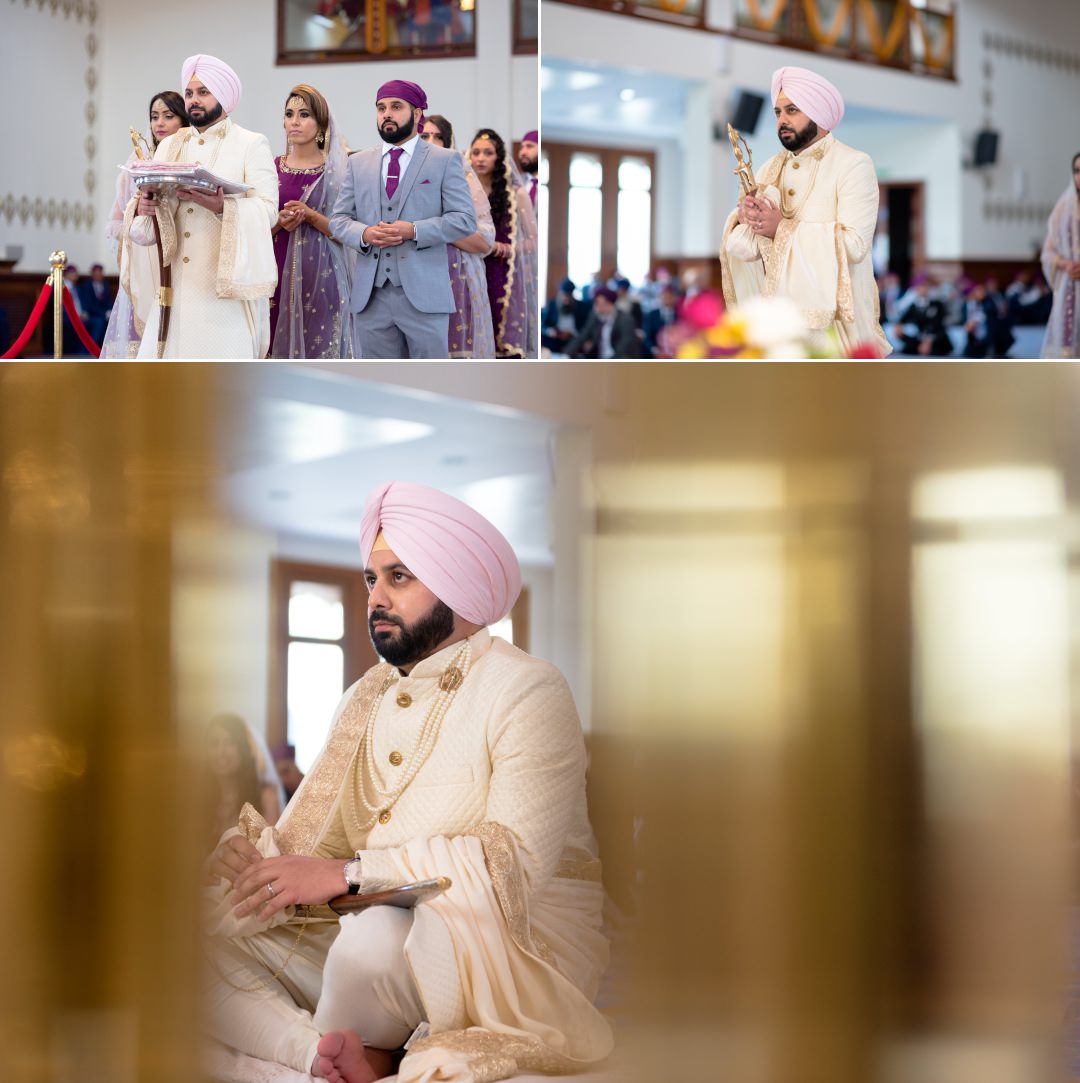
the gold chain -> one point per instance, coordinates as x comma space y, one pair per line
364, 763
273, 977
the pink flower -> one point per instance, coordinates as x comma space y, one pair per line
865, 351
703, 310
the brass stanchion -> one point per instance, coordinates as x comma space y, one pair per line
58, 260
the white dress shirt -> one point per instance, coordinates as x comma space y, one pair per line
403, 162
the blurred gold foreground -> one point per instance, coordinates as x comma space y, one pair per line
833, 666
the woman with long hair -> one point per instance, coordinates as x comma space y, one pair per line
471, 332
167, 115
240, 772
310, 314
511, 266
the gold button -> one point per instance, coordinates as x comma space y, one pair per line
403, 699
187, 234
201, 141
791, 191
384, 816
186, 260
396, 758
191, 210
794, 165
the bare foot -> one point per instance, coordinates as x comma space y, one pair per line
342, 1058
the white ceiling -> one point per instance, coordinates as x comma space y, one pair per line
309, 445
585, 99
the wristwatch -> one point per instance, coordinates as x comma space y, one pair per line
352, 875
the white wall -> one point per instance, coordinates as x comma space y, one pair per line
1033, 107
51, 62
138, 49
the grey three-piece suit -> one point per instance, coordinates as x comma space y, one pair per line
401, 295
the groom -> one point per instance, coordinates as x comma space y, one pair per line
400, 205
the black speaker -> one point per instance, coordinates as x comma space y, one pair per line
986, 147
747, 112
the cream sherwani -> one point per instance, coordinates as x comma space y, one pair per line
505, 965
223, 268
820, 256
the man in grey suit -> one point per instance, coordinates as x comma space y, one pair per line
399, 207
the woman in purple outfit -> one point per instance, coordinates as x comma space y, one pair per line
511, 266
309, 313
471, 333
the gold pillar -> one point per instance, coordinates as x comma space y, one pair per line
830, 785
102, 469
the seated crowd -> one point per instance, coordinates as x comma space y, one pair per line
961, 318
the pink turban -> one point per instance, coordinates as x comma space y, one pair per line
217, 77
811, 93
452, 549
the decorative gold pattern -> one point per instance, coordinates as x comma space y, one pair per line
776, 254
845, 297
496, 1056
306, 816
508, 880
230, 219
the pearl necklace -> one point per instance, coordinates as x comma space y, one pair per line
365, 779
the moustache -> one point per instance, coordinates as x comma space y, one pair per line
383, 618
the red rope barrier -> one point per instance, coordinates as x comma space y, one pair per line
19, 344
76, 322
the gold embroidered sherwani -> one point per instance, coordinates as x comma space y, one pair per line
514, 948
820, 256
223, 268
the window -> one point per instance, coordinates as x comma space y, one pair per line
586, 212
917, 36
634, 252
319, 647
330, 31
526, 26
598, 213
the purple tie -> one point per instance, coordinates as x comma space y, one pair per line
393, 174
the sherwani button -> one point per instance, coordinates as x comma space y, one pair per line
791, 191
201, 141
187, 234
186, 260
403, 699
384, 816
191, 210
396, 758
794, 165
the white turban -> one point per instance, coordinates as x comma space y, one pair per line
811, 93
453, 550
217, 77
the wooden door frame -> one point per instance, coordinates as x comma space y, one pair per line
559, 154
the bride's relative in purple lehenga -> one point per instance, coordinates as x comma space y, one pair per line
471, 333
310, 315
512, 265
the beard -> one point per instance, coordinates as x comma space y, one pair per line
802, 139
410, 644
399, 135
201, 120
528, 165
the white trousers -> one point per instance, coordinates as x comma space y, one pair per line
346, 975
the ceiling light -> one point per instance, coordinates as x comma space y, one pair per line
627, 94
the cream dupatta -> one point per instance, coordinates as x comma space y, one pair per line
529, 1014
1063, 245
